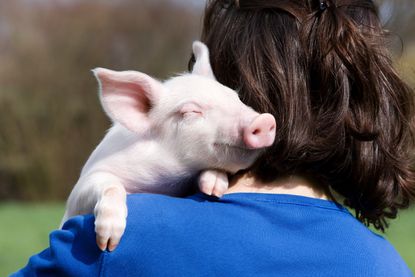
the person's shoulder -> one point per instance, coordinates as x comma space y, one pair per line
154, 199
155, 203
383, 254
367, 247
72, 251
158, 209
154, 221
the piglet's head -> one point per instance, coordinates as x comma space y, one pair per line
198, 120
128, 96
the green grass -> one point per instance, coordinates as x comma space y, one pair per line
24, 231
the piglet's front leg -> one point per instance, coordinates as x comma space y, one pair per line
110, 217
213, 182
103, 194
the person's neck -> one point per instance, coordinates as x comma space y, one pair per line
295, 185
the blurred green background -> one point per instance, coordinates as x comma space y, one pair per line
51, 118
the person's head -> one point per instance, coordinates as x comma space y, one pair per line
344, 117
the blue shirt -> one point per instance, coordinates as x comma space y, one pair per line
241, 234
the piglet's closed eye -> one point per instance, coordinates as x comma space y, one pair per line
191, 109
127, 97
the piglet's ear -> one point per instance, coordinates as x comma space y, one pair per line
202, 65
127, 97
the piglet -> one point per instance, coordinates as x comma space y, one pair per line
164, 134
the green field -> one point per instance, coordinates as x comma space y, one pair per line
24, 231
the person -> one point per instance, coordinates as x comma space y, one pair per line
344, 134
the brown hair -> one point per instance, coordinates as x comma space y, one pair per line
344, 117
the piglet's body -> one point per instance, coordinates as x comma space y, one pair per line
163, 135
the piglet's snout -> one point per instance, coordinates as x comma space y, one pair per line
260, 132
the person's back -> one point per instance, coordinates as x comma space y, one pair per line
252, 234
241, 234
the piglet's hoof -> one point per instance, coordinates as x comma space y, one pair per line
213, 182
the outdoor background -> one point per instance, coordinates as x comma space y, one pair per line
50, 114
